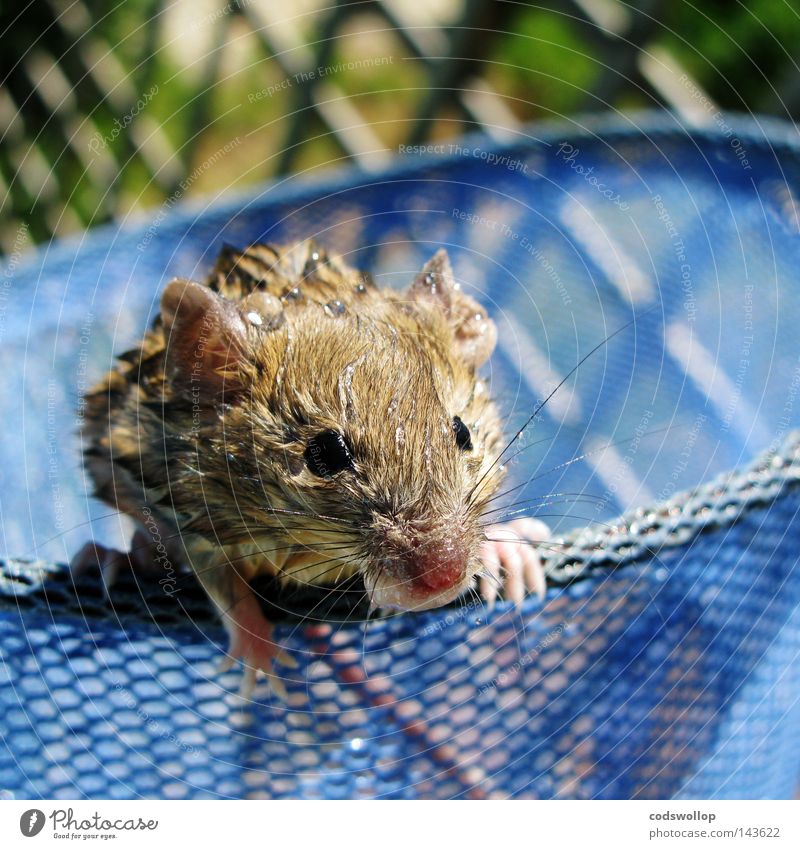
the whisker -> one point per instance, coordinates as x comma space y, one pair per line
549, 499
540, 406
556, 546
301, 583
490, 576
473, 497
330, 591
231, 561
295, 585
583, 456
532, 510
609, 525
194, 573
339, 563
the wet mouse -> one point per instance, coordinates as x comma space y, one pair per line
289, 417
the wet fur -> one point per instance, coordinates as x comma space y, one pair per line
215, 458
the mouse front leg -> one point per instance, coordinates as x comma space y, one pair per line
250, 634
511, 560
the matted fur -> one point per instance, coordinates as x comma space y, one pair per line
215, 447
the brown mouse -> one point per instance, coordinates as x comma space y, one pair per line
289, 417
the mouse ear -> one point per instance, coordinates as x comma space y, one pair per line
474, 332
205, 339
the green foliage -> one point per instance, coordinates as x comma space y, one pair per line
544, 62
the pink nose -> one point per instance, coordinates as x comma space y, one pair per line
437, 569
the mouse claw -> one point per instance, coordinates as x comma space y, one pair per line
490, 579
247, 685
536, 580
278, 687
488, 593
225, 665
286, 659
509, 552
532, 531
251, 641
249, 681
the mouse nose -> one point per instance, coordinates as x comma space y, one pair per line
437, 569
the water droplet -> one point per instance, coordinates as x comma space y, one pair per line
335, 308
292, 294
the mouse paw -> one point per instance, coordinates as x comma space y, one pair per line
250, 638
148, 558
512, 562
95, 556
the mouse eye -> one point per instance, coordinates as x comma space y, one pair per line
328, 453
463, 439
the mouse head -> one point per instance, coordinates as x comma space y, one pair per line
353, 429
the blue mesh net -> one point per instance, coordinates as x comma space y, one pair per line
663, 662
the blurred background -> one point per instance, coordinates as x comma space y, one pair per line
118, 110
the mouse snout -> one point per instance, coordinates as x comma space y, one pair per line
419, 572
436, 567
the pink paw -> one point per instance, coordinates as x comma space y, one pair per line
250, 639
512, 561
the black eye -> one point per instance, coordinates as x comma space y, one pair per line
327, 453
463, 439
